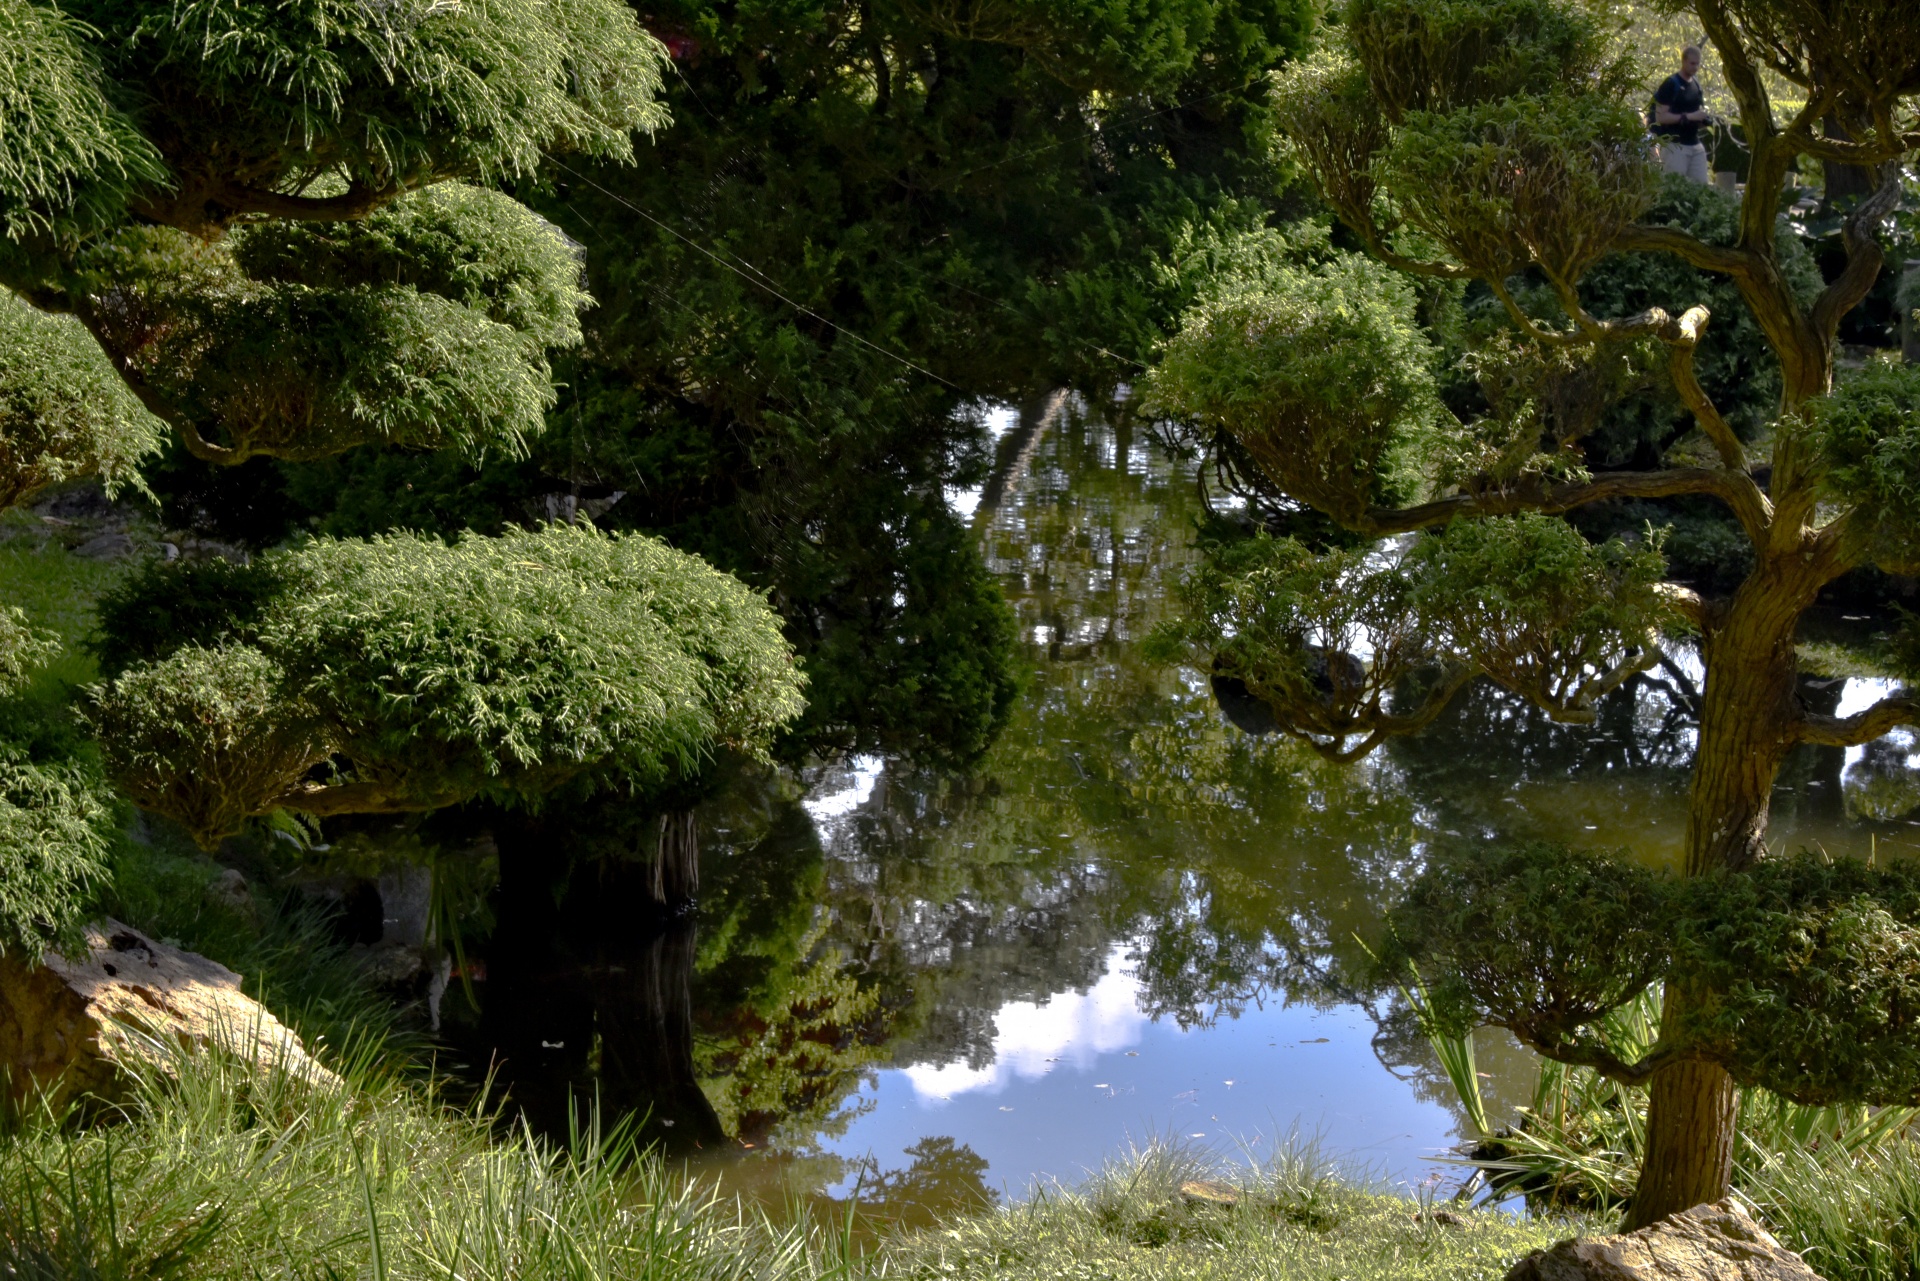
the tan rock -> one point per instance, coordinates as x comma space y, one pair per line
1209, 1192
73, 1025
1718, 1242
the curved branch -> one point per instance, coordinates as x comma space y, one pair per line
1865, 257
1877, 721
1687, 247
356, 202
1379, 728
1598, 1057
1685, 602
1680, 353
1737, 490
325, 801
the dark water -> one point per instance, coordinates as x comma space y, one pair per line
1127, 923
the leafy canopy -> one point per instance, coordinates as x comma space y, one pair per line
402, 673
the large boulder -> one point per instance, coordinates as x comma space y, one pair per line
73, 1026
1718, 1242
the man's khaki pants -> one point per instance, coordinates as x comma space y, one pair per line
1688, 162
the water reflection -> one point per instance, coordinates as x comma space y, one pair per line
1131, 918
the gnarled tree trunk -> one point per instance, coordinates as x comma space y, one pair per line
1746, 724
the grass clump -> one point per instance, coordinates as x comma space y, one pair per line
1293, 1217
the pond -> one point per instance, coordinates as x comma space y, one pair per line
1128, 923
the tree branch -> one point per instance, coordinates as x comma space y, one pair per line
1685, 602
1864, 258
355, 203
1687, 247
1877, 721
324, 801
1735, 489
1680, 352
1598, 1057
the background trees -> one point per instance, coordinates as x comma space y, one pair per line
1497, 142
267, 231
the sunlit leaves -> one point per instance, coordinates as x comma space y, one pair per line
1865, 439
1531, 603
23, 647
64, 413
1443, 55
1548, 180
431, 673
426, 327
67, 157
54, 827
1321, 375
271, 95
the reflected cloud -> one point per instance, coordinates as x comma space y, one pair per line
1031, 1038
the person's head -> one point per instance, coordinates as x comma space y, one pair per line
1690, 62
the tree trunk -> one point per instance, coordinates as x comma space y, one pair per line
1690, 1132
676, 862
1746, 711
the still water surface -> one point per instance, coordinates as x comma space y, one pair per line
1127, 923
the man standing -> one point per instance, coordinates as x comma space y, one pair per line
1677, 117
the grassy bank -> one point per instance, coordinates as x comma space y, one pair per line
221, 1173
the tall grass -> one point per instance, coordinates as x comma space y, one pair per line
1297, 1218
219, 1171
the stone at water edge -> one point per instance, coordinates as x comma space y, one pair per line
1718, 1242
64, 1026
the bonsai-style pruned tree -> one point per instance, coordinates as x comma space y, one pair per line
1500, 142
272, 230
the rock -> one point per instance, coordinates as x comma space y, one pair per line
1209, 1192
230, 889
111, 545
1718, 1242
72, 1026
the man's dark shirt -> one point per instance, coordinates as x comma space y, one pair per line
1681, 97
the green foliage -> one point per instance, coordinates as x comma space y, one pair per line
164, 605
1812, 970
1542, 939
1802, 970
1289, 623
469, 245
434, 673
206, 736
54, 826
1734, 362
1441, 57
1534, 605
23, 647
67, 156
1550, 180
300, 371
269, 96
1320, 374
64, 413
1865, 437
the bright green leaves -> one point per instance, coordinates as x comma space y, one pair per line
1530, 603
205, 736
1321, 375
1538, 938
64, 413
1548, 181
67, 158
1499, 129
426, 325
1440, 57
1371, 643
23, 647
54, 827
478, 248
1803, 973
427, 674
253, 99
1864, 439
